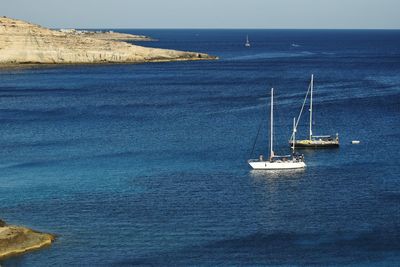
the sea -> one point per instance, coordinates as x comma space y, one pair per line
146, 164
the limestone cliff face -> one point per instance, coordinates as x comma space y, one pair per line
22, 42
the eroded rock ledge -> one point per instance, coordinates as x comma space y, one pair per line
111, 35
16, 240
22, 42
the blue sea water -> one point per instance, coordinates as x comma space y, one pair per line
145, 165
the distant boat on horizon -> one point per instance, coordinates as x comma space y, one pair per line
247, 44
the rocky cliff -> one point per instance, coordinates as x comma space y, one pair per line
23, 42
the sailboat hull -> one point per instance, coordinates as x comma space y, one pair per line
315, 144
276, 165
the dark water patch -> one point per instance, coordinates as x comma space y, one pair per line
36, 114
283, 249
135, 106
390, 196
229, 100
40, 90
52, 143
36, 163
354, 85
389, 102
271, 55
10, 96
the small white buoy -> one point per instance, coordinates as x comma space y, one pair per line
355, 142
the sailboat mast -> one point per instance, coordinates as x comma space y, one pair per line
272, 124
311, 104
294, 133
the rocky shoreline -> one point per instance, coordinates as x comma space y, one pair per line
26, 43
117, 36
16, 240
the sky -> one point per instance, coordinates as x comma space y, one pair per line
264, 14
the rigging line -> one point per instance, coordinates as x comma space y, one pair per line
313, 107
302, 108
258, 133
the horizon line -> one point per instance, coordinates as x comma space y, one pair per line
201, 28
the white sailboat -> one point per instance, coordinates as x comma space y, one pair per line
314, 141
247, 44
294, 161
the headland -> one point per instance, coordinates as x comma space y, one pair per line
26, 43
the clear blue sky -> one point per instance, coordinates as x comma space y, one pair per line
294, 14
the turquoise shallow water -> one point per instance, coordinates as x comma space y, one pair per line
145, 165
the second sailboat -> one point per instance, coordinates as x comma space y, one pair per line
314, 141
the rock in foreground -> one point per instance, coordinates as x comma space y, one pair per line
22, 42
17, 239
